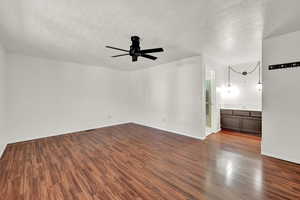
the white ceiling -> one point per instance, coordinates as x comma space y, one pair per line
78, 30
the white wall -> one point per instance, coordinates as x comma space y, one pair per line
248, 96
170, 97
3, 67
281, 97
49, 97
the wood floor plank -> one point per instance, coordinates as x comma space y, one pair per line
135, 162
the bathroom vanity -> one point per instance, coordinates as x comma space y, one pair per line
246, 121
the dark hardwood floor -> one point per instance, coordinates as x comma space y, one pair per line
241, 134
135, 162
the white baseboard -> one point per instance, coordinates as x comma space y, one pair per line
2, 148
280, 157
169, 130
1, 151
68, 131
218, 130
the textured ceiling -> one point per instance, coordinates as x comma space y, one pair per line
77, 30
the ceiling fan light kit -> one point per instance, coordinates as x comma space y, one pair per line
135, 50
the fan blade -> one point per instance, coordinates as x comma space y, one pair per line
149, 56
116, 48
126, 54
152, 50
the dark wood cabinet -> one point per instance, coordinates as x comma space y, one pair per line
241, 120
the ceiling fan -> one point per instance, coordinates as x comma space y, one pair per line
135, 50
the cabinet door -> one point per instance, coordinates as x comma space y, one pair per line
251, 125
231, 122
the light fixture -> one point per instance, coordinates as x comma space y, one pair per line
229, 82
228, 92
245, 73
259, 84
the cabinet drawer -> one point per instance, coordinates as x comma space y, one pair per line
226, 112
241, 113
255, 114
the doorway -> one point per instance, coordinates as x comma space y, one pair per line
210, 102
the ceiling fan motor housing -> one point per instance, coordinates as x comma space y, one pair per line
135, 48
